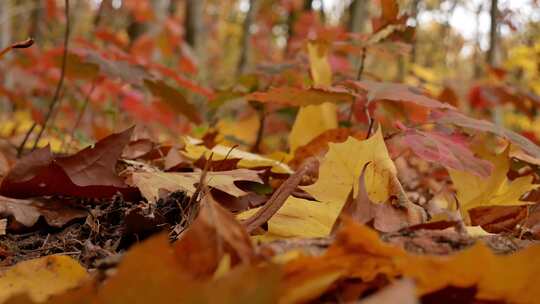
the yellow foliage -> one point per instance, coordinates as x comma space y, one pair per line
315, 119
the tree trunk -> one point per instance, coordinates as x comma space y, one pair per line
5, 40
493, 33
414, 15
194, 22
477, 56
291, 20
358, 15
245, 46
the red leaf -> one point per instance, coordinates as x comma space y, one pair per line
301, 97
89, 173
458, 119
397, 92
449, 150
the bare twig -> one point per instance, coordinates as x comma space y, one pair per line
25, 139
369, 118
17, 45
56, 96
362, 64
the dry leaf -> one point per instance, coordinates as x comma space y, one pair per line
28, 212
247, 159
474, 191
150, 183
342, 165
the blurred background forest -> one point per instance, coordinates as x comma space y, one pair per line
127, 61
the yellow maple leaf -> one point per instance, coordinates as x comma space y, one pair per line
338, 173
315, 119
342, 165
244, 130
41, 278
473, 191
299, 218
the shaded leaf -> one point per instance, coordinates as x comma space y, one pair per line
397, 92
290, 96
174, 99
214, 234
28, 212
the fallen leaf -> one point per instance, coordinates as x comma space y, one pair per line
138, 148
150, 183
386, 217
358, 253
41, 278
214, 234
498, 219
174, 99
318, 146
88, 173
299, 218
474, 191
342, 165
28, 212
247, 159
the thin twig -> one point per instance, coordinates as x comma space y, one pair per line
362, 64
369, 118
56, 96
358, 77
17, 45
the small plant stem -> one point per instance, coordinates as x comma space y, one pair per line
80, 116
25, 139
56, 96
260, 133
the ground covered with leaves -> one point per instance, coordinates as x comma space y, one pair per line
303, 181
